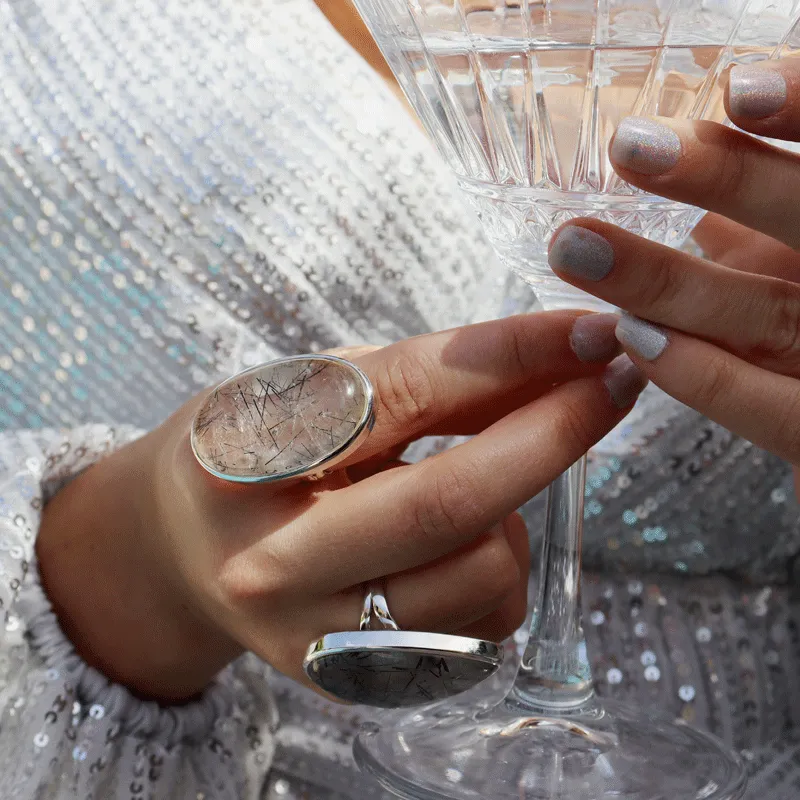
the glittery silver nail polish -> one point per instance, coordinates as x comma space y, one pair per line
624, 381
592, 337
756, 92
582, 253
645, 339
644, 146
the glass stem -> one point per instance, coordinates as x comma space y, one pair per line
554, 674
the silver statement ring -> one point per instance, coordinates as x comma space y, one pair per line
383, 666
294, 417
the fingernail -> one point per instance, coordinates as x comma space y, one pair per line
592, 337
756, 92
582, 253
645, 339
644, 146
624, 381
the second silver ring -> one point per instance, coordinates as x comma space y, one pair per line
382, 665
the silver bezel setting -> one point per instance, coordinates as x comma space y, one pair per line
416, 641
456, 656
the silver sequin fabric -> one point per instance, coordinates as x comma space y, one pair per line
190, 187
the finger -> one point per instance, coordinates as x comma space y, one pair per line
410, 516
484, 582
590, 340
452, 381
460, 381
758, 405
717, 168
503, 621
764, 98
733, 245
480, 591
472, 583
443, 595
756, 317
466, 586
499, 625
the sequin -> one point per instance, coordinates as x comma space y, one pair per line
647, 658
652, 674
686, 693
703, 635
614, 676
146, 254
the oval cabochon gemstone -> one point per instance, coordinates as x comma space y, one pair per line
281, 419
395, 678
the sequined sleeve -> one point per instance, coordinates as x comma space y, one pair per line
66, 732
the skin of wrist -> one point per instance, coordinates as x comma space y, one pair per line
117, 596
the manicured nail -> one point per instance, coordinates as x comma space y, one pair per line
645, 339
644, 146
624, 381
756, 92
582, 253
593, 338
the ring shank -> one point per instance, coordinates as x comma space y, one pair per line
375, 614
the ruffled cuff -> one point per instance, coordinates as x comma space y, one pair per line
66, 731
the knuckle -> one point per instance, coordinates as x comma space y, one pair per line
718, 380
241, 581
572, 428
497, 573
514, 350
780, 336
726, 185
235, 586
664, 284
449, 508
404, 389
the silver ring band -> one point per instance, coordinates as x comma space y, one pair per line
383, 666
375, 614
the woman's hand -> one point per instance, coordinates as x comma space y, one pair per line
162, 573
727, 339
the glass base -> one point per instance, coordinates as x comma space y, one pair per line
608, 752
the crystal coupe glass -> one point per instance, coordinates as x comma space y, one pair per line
521, 98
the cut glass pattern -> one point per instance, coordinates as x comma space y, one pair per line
522, 99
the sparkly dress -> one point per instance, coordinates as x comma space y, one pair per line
190, 187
